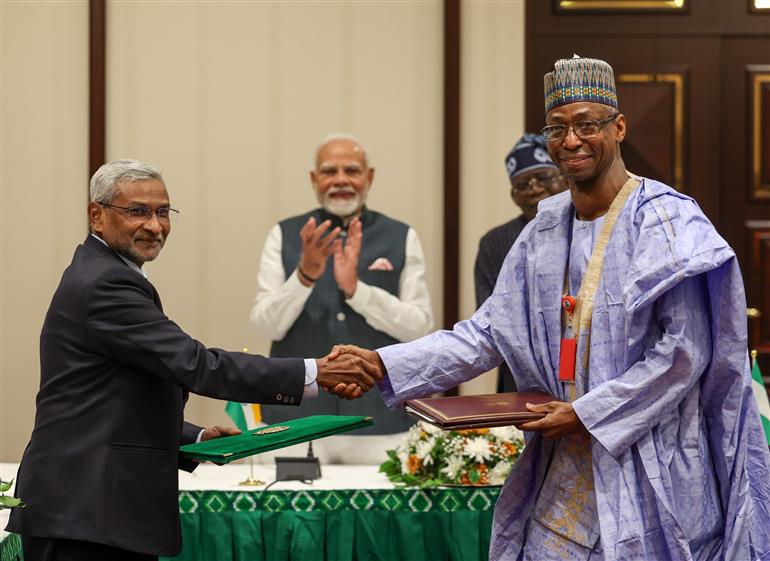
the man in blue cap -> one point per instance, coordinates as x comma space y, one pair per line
622, 301
533, 177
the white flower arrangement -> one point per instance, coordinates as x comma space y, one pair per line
430, 456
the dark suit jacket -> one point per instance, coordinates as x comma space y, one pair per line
102, 461
493, 249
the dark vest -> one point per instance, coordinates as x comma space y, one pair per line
327, 320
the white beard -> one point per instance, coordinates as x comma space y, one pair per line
342, 207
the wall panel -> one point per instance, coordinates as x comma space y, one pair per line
43, 187
492, 98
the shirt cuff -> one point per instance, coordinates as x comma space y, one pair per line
200, 436
311, 373
296, 286
361, 296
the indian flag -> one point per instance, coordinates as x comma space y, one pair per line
246, 416
761, 394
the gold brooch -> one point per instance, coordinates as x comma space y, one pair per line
271, 430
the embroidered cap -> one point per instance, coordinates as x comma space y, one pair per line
580, 79
529, 153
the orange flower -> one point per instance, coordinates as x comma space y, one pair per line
473, 432
413, 463
484, 473
510, 448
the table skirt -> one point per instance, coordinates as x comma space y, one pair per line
339, 525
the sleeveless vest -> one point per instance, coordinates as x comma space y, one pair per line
327, 320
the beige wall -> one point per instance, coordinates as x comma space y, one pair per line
229, 99
492, 93
43, 186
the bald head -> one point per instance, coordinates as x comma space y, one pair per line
343, 138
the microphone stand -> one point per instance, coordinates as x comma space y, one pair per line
251, 481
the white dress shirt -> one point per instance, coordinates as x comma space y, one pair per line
280, 300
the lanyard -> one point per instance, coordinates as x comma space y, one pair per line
577, 311
568, 343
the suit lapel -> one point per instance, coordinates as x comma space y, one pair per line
155, 296
101, 247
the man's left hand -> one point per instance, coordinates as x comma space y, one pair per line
346, 259
216, 431
560, 420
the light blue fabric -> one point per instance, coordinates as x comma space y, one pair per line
681, 470
566, 520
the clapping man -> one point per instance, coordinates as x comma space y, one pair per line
342, 273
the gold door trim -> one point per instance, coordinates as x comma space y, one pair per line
621, 5
759, 190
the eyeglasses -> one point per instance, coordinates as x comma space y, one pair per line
583, 129
144, 213
545, 180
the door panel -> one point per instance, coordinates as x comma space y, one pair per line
745, 174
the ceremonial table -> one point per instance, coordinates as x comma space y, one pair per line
351, 513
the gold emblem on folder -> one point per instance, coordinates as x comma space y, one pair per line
271, 430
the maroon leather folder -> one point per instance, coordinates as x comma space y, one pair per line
477, 411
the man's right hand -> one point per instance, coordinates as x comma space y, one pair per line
316, 248
347, 375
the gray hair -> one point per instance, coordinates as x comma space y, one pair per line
342, 136
104, 183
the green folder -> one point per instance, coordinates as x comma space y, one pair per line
271, 437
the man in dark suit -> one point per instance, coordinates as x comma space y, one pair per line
533, 177
99, 475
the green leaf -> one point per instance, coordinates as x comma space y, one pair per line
390, 467
474, 476
5, 485
10, 502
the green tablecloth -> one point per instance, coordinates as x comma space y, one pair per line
10, 548
361, 525
339, 525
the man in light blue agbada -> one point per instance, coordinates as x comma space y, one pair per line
652, 448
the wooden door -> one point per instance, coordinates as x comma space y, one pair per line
745, 177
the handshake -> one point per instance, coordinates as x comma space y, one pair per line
349, 371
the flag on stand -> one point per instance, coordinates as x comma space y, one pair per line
761, 395
246, 416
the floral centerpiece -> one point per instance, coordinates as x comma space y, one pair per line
431, 456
